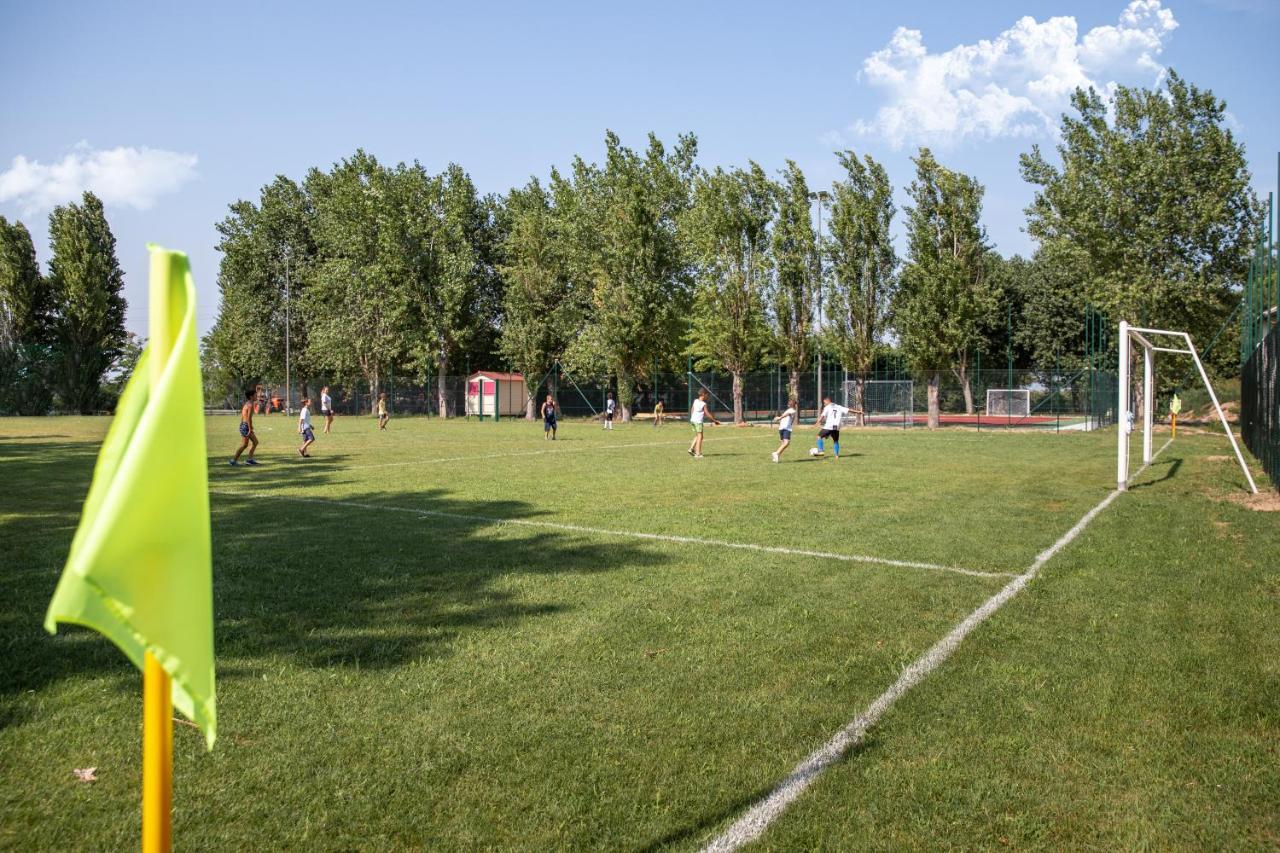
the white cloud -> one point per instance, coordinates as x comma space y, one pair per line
134, 177
1014, 85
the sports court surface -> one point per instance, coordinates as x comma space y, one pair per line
457, 635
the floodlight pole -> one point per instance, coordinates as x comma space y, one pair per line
1122, 446
820, 196
288, 385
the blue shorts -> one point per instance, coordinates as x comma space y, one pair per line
308, 435
244, 430
548, 424
784, 434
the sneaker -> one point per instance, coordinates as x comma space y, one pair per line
773, 456
232, 462
690, 451
251, 461
699, 456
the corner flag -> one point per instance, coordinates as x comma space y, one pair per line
140, 567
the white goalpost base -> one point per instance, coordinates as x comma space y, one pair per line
1136, 334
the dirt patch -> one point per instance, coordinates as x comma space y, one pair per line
1217, 459
1264, 501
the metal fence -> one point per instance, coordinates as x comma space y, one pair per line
1023, 398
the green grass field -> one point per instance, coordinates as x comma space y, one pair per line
447, 636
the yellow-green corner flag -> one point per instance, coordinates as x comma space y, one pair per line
140, 568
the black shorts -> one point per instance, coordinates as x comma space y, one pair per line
608, 416
548, 424
833, 434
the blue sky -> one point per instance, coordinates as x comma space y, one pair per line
172, 115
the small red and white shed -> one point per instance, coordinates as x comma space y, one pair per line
490, 394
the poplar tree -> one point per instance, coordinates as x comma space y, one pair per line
796, 278
25, 319
537, 318
944, 296
728, 236
85, 281
863, 266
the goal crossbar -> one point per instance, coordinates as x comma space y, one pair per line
1139, 335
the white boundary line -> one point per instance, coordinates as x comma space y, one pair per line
756, 819
629, 534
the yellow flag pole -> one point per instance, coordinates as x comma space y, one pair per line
157, 693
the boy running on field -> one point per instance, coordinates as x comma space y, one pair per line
304, 428
829, 423
785, 421
610, 407
697, 415
383, 417
326, 408
247, 436
549, 419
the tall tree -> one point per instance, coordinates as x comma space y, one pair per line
1153, 197
85, 282
24, 296
944, 293
24, 325
358, 296
537, 321
728, 234
639, 276
458, 293
863, 265
267, 249
796, 279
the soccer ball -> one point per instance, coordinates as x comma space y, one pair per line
813, 451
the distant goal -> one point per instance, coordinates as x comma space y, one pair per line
887, 402
1008, 402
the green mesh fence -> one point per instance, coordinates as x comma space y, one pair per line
1260, 351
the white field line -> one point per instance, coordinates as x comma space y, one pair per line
630, 534
756, 819
537, 453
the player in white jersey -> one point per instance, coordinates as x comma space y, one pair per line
697, 417
785, 421
610, 409
304, 428
829, 426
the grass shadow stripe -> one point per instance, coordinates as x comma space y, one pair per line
634, 534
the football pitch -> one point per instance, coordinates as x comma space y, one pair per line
453, 635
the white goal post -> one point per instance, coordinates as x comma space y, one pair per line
1130, 335
1015, 402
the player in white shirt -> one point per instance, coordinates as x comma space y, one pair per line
610, 409
304, 428
829, 426
326, 407
785, 421
697, 415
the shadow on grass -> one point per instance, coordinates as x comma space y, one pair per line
299, 571
1170, 466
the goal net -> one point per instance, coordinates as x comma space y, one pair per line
886, 401
1008, 402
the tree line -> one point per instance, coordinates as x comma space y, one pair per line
635, 264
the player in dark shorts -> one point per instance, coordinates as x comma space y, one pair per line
248, 439
610, 408
549, 419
